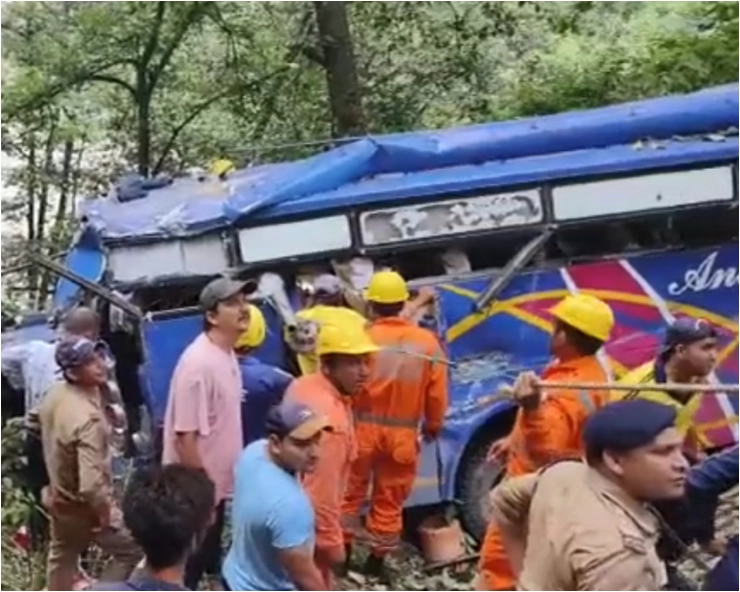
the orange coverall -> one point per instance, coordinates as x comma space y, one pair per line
539, 437
402, 389
326, 484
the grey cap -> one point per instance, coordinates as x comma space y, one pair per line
74, 352
219, 290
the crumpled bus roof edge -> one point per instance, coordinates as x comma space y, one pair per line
415, 164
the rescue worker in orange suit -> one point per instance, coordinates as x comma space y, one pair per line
548, 424
407, 390
343, 351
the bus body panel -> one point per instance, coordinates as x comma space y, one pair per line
489, 350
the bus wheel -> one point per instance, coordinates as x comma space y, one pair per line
477, 478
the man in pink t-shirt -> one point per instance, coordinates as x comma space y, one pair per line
202, 423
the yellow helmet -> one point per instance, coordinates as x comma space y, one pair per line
350, 339
253, 336
222, 166
387, 287
586, 313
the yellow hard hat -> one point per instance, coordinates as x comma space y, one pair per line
254, 334
222, 166
588, 314
387, 287
350, 339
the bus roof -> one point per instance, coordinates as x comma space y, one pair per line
388, 168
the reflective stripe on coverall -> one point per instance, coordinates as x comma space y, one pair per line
540, 437
402, 390
326, 484
654, 371
323, 314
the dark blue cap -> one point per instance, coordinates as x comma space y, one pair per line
685, 331
299, 421
73, 352
625, 425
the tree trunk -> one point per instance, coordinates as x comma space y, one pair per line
340, 66
31, 185
143, 123
57, 231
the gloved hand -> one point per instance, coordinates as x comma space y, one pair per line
527, 392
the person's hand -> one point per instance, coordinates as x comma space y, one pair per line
103, 516
499, 451
429, 434
426, 294
527, 392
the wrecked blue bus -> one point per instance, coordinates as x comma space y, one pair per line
635, 203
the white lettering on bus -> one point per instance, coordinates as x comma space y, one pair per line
705, 277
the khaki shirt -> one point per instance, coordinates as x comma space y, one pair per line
75, 436
582, 531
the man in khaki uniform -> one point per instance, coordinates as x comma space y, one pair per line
75, 439
588, 526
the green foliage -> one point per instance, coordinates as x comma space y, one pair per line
21, 570
166, 86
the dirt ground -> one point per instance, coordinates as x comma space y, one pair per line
409, 573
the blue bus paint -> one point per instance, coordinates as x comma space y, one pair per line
418, 164
513, 335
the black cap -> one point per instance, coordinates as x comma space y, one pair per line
625, 425
685, 331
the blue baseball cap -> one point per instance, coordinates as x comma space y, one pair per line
685, 331
625, 425
296, 420
75, 352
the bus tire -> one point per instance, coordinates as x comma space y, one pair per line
477, 478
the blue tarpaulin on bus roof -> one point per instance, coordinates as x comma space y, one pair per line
416, 164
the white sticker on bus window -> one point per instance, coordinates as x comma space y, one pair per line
454, 216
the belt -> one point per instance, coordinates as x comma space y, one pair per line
384, 420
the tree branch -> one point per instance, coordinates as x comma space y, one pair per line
154, 37
202, 106
113, 80
195, 12
45, 97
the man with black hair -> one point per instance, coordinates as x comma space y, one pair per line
167, 510
588, 526
75, 440
273, 521
202, 422
688, 355
548, 424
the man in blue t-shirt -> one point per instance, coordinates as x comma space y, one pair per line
273, 521
167, 509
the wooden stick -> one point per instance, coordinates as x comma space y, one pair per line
506, 393
616, 386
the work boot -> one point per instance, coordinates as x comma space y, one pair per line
376, 567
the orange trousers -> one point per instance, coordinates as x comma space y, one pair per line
495, 571
386, 463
